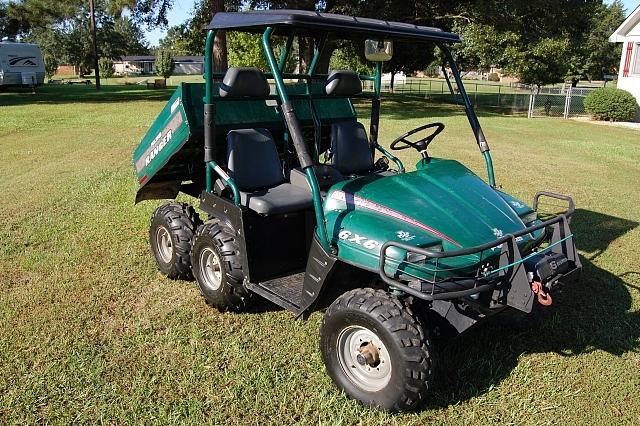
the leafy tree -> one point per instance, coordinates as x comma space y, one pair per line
544, 62
245, 50
50, 65
596, 56
106, 67
164, 64
347, 57
177, 40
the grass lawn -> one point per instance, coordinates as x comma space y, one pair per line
91, 332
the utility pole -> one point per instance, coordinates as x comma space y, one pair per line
94, 39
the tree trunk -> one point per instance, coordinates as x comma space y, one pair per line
574, 82
323, 62
220, 61
94, 42
391, 83
305, 46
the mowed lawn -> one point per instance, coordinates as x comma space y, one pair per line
90, 332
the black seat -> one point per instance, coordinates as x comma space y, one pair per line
253, 162
252, 156
350, 147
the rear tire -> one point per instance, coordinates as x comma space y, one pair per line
376, 350
170, 235
217, 268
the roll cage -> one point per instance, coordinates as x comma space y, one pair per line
319, 27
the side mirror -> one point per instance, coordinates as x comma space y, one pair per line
378, 50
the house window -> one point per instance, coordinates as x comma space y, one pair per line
635, 68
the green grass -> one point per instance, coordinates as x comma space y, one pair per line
90, 331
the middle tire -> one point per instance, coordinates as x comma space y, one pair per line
217, 267
376, 350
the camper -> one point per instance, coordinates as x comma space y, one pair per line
21, 64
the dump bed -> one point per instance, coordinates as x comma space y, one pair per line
170, 157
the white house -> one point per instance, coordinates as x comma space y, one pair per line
629, 73
184, 65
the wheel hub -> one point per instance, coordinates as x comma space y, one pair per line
210, 268
164, 245
369, 355
364, 358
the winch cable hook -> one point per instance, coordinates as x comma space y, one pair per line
544, 298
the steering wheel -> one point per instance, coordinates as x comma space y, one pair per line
421, 144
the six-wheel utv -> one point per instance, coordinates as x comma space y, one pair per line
300, 213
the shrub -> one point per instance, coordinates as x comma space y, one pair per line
106, 67
50, 65
493, 77
611, 104
164, 64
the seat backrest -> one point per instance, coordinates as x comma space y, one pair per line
252, 159
244, 83
350, 148
343, 83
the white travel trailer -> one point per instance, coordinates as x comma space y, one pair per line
21, 64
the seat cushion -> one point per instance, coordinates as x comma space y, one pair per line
284, 198
350, 147
252, 159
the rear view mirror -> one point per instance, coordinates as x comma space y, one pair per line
378, 50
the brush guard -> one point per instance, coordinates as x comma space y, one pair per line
510, 282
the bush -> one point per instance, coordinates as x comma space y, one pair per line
164, 64
611, 104
493, 77
105, 65
50, 65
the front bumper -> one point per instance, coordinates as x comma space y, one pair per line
510, 281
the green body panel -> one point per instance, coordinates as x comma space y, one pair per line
441, 206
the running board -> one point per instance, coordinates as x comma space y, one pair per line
285, 291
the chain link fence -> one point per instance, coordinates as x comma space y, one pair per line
558, 102
515, 98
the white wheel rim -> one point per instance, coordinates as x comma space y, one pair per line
164, 245
370, 377
210, 268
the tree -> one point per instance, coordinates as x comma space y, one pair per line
50, 65
592, 55
164, 64
106, 67
246, 50
177, 40
544, 62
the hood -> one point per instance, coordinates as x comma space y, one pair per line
443, 200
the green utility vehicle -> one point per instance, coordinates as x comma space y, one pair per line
300, 213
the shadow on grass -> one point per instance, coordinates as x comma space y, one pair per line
65, 94
592, 314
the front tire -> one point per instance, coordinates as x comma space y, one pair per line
217, 267
170, 235
376, 350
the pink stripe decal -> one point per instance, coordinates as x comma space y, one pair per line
373, 206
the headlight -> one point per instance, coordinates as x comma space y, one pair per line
416, 257
529, 217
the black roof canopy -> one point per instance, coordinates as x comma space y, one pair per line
348, 27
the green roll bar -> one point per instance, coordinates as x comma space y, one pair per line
211, 166
294, 130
